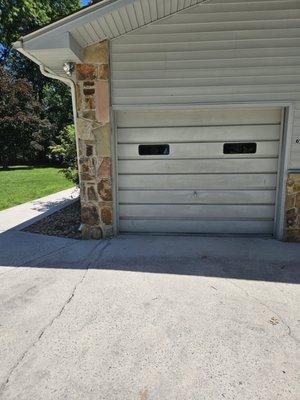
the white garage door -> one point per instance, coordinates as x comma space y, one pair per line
206, 171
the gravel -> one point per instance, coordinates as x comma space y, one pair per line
63, 223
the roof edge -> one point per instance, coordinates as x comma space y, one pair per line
106, 5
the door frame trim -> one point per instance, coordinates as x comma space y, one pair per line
283, 156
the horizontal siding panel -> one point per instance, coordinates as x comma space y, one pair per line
297, 119
199, 134
214, 81
202, 197
190, 227
212, 7
146, 40
219, 26
263, 15
238, 2
294, 164
211, 99
202, 117
295, 155
165, 48
196, 150
265, 62
197, 166
194, 182
226, 212
207, 54
122, 77
208, 90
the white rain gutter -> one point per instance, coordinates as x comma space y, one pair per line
19, 46
84, 16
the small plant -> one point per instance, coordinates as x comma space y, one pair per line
66, 152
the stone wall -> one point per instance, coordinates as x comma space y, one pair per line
94, 135
292, 208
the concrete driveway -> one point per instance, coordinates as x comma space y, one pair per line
149, 318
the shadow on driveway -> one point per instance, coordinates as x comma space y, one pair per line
234, 258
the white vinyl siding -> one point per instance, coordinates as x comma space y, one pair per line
295, 149
197, 188
229, 51
126, 18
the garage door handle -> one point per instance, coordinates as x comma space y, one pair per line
195, 195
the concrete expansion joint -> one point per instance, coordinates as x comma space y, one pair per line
4, 385
285, 324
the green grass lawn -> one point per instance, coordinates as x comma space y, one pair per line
21, 184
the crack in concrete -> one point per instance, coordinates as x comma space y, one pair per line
57, 316
288, 328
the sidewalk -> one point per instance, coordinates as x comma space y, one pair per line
19, 217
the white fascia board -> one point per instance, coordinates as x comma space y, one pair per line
54, 58
75, 47
57, 42
82, 17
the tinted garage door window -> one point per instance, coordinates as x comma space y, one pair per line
206, 171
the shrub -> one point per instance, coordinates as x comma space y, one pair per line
66, 152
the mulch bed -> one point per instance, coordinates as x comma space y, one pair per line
63, 223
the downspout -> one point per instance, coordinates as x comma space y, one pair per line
71, 84
19, 46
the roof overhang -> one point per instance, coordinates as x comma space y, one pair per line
65, 40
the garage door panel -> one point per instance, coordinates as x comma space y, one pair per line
202, 117
194, 182
197, 211
197, 188
201, 197
196, 150
196, 134
169, 166
189, 227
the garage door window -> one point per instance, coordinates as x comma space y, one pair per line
239, 148
154, 149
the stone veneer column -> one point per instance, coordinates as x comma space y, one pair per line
94, 136
292, 208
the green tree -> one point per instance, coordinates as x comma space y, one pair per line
23, 130
57, 106
18, 18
